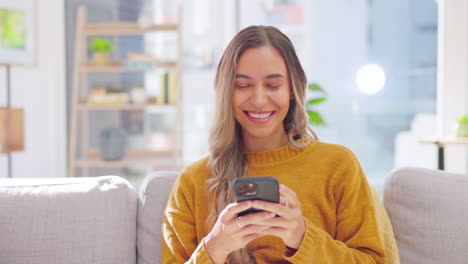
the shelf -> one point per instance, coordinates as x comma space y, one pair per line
85, 107
135, 153
120, 68
121, 163
445, 140
124, 28
132, 158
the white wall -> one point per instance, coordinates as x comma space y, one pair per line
452, 76
40, 90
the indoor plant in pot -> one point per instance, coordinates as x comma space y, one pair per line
462, 126
101, 49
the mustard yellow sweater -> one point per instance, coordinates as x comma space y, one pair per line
344, 222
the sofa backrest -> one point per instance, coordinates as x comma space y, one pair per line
67, 220
429, 214
152, 198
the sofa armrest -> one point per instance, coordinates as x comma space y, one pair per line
67, 220
152, 198
429, 214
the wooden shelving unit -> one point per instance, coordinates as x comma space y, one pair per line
88, 157
137, 159
124, 28
120, 68
130, 107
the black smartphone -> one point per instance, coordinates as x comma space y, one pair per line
256, 188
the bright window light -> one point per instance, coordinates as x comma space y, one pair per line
370, 79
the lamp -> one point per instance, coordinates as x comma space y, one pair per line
370, 78
17, 24
11, 130
11, 127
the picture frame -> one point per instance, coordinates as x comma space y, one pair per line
18, 32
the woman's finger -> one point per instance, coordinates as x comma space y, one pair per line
289, 196
274, 231
284, 201
251, 229
275, 222
231, 210
253, 218
270, 207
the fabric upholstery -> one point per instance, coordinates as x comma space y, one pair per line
385, 227
67, 220
429, 214
94, 220
152, 198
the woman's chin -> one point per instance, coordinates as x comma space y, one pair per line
261, 134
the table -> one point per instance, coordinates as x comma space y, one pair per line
441, 142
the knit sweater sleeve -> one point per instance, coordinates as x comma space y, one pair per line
179, 235
357, 238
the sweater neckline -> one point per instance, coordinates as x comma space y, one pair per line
275, 155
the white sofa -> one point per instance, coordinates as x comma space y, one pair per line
103, 220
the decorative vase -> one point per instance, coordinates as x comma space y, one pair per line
112, 143
138, 95
101, 58
461, 130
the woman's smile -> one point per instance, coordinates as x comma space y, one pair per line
259, 117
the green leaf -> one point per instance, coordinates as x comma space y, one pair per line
315, 87
315, 118
463, 119
316, 101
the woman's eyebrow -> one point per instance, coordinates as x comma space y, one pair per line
274, 75
270, 76
240, 75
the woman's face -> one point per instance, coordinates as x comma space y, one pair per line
261, 93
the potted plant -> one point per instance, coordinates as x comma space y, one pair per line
315, 117
462, 126
101, 49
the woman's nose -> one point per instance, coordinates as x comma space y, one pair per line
259, 96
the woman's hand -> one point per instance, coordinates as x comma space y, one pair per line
290, 225
231, 232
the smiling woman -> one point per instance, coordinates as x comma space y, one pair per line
261, 98
326, 212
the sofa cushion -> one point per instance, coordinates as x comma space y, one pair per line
429, 213
152, 198
67, 220
385, 229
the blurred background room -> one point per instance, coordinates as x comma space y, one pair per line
125, 87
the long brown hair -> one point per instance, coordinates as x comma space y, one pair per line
227, 160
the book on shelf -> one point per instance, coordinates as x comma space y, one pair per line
98, 99
168, 89
138, 60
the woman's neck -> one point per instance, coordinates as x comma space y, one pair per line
255, 144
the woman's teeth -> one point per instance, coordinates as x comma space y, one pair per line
259, 116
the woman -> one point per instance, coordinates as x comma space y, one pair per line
327, 212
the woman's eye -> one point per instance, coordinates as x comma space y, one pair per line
273, 85
242, 85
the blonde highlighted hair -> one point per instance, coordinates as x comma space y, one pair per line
227, 160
